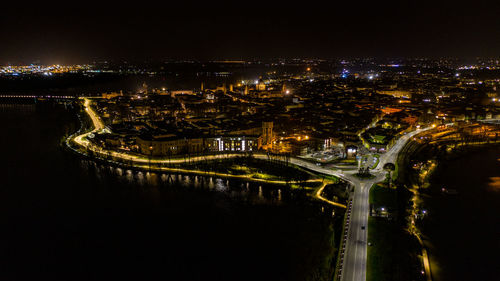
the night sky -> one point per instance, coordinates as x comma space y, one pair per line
78, 32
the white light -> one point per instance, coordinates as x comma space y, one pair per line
221, 144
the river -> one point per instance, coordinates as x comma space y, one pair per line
66, 218
462, 230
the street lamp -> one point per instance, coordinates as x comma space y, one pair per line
150, 155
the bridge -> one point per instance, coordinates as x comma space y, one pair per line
23, 99
477, 132
492, 121
35, 97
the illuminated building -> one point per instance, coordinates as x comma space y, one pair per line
112, 95
261, 86
396, 93
251, 139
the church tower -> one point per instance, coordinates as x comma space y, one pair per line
267, 133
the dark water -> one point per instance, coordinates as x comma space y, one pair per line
65, 218
463, 230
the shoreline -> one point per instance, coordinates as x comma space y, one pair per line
434, 196
148, 165
428, 186
312, 192
360, 192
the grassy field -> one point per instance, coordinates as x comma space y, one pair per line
382, 196
391, 255
381, 234
336, 192
254, 168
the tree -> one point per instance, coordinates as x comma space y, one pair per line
390, 167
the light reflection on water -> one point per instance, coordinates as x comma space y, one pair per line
240, 190
220, 186
494, 183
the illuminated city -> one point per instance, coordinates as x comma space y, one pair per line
214, 143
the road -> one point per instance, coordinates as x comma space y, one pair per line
354, 265
354, 259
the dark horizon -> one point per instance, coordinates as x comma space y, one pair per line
64, 35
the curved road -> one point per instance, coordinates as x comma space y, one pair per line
354, 265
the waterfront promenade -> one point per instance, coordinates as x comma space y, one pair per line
353, 267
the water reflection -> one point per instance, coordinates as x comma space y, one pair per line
494, 183
251, 192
